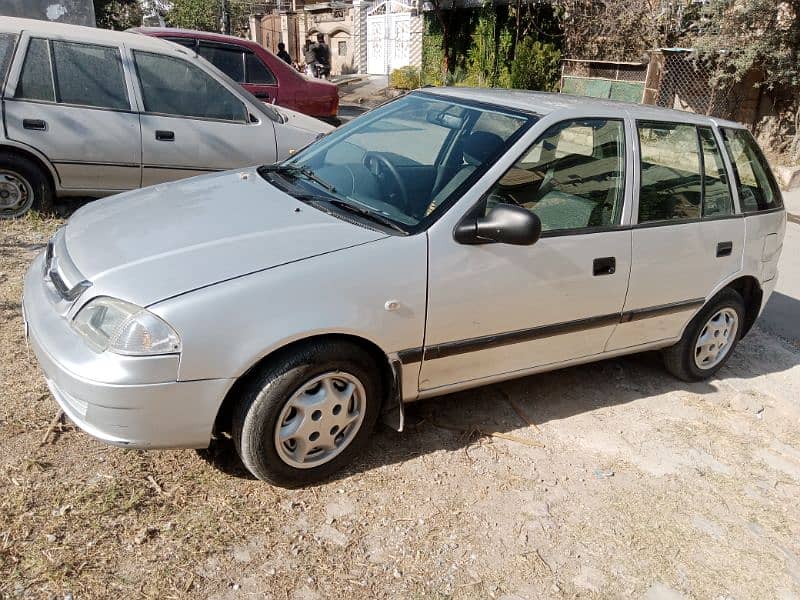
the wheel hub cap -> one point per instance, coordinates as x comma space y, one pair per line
16, 194
716, 338
320, 420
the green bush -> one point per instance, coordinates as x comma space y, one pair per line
405, 78
536, 66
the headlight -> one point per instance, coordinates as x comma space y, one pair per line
124, 328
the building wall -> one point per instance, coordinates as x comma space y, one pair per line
77, 12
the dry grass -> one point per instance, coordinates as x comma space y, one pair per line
632, 482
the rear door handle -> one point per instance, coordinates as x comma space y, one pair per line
724, 249
35, 124
261, 95
604, 266
165, 136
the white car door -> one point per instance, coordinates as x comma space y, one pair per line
192, 123
69, 98
496, 308
688, 239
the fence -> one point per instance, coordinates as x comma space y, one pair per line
603, 79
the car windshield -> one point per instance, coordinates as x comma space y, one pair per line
404, 162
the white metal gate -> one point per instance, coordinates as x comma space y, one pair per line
388, 37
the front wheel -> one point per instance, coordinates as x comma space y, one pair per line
709, 339
308, 413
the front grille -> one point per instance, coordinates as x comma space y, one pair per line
58, 268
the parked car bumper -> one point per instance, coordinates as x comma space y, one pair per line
125, 401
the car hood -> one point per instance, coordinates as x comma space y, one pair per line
304, 122
150, 244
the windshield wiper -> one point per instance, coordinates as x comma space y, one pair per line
362, 212
295, 171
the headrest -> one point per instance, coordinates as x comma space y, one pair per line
479, 146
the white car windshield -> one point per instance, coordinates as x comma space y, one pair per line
406, 161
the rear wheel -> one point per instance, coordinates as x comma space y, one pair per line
709, 339
24, 186
307, 414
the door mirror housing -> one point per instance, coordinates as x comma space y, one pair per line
505, 224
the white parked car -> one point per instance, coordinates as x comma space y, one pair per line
448, 239
90, 112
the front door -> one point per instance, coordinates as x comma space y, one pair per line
243, 66
688, 239
193, 124
494, 308
70, 100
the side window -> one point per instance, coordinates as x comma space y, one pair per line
172, 86
7, 43
717, 200
573, 177
36, 79
228, 60
89, 75
182, 41
671, 186
754, 180
257, 71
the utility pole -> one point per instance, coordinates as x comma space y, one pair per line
226, 18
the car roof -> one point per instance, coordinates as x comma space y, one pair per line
544, 103
50, 28
207, 35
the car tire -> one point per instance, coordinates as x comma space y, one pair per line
20, 175
709, 339
323, 392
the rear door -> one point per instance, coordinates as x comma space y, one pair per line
760, 201
688, 238
193, 123
70, 99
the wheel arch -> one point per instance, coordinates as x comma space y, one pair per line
35, 157
388, 377
752, 294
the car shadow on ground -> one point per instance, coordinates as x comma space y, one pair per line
456, 421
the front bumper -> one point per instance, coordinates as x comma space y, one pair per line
126, 401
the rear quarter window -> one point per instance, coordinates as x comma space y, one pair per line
8, 42
758, 190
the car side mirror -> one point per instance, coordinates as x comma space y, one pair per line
505, 224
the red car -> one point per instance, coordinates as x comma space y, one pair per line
257, 70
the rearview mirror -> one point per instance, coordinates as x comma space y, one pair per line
444, 119
505, 224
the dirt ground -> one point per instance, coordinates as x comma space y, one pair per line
612, 480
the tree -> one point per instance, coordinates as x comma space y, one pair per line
537, 66
206, 15
117, 14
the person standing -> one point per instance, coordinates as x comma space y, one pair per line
322, 55
283, 54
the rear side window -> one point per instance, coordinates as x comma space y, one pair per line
72, 73
757, 187
717, 200
671, 185
172, 86
7, 43
228, 60
36, 80
257, 71
89, 75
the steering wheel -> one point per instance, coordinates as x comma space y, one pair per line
388, 166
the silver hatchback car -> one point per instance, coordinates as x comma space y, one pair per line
448, 239
90, 112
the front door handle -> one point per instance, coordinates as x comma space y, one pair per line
165, 136
35, 124
724, 249
262, 95
604, 266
